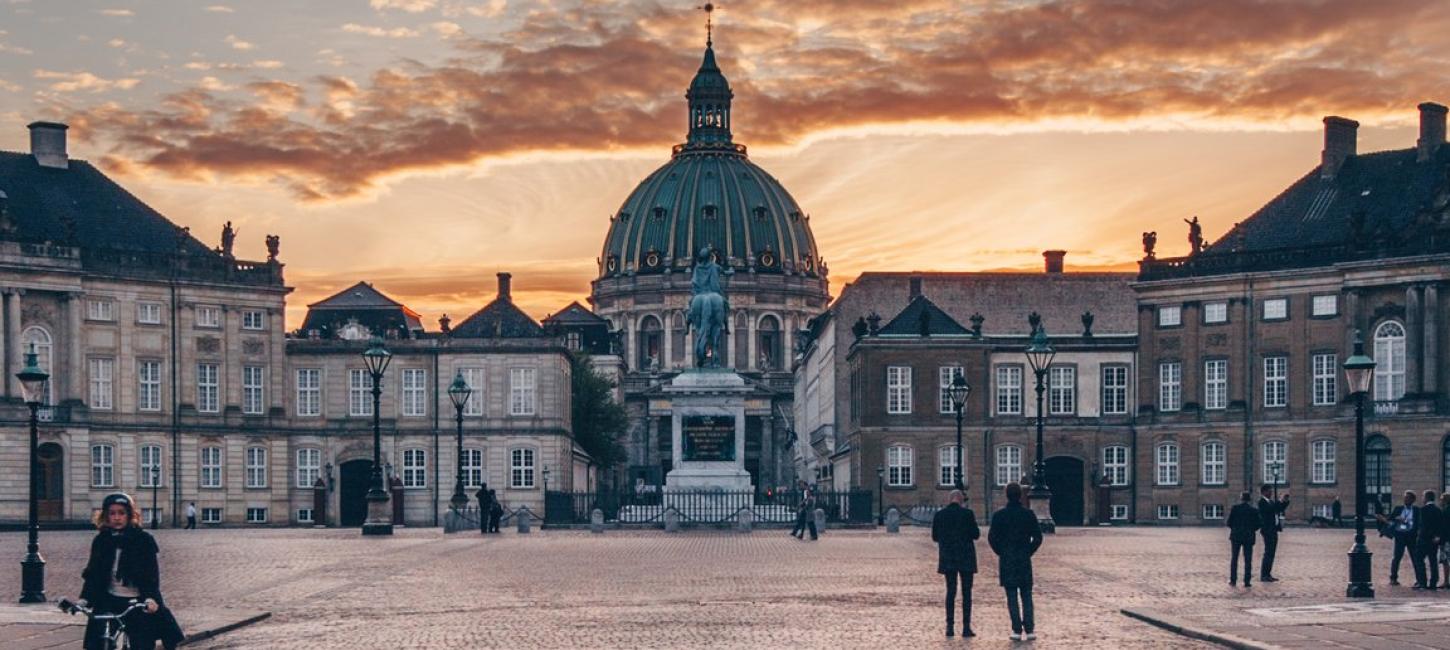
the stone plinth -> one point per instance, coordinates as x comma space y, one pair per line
708, 432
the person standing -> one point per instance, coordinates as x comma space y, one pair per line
1337, 511
1445, 539
122, 567
955, 531
1269, 526
1401, 526
495, 511
1014, 536
484, 507
191, 516
1243, 523
1427, 544
801, 511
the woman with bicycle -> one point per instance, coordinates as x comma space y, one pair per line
123, 568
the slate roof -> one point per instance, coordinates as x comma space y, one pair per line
500, 318
364, 304
575, 314
923, 314
47, 204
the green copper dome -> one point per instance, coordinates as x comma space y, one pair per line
709, 195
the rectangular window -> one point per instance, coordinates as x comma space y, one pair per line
1115, 390
103, 468
1115, 465
573, 341
474, 377
102, 383
1061, 390
256, 515
523, 391
1324, 511
148, 313
1276, 462
1326, 379
304, 515
1215, 384
1167, 511
211, 467
898, 466
1170, 316
1276, 309
1009, 390
148, 516
253, 319
256, 467
1276, 381
898, 389
1120, 512
1215, 312
148, 383
207, 389
211, 515
1167, 464
415, 468
253, 400
1324, 470
1213, 511
101, 310
945, 375
359, 392
309, 392
208, 316
947, 464
472, 468
521, 468
150, 457
309, 467
1215, 463
1170, 386
415, 389
1324, 306
1009, 464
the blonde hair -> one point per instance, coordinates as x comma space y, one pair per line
99, 518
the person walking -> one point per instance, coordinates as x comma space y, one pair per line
1014, 536
1445, 539
122, 567
484, 506
1337, 512
1427, 544
955, 531
191, 516
801, 511
1403, 527
1243, 523
495, 511
1270, 510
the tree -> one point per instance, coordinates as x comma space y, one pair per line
598, 419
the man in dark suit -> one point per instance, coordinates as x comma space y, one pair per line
1269, 511
1427, 543
1014, 536
1336, 511
1243, 523
954, 529
1403, 526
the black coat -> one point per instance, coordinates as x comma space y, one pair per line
1269, 511
955, 531
1014, 536
1430, 522
1243, 522
138, 568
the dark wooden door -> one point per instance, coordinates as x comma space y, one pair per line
1065, 479
51, 482
353, 503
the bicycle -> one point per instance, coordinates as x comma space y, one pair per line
114, 625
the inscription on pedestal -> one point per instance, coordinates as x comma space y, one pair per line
708, 437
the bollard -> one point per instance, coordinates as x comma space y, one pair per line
672, 520
820, 517
893, 521
524, 518
596, 521
745, 519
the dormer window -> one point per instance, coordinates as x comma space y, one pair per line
709, 212
352, 332
760, 213
624, 216
612, 264
659, 213
767, 258
652, 259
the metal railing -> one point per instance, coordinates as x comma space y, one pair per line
703, 507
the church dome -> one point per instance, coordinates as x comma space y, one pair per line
709, 195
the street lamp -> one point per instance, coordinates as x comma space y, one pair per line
958, 391
1039, 356
32, 567
881, 495
458, 392
380, 519
1359, 372
546, 479
155, 487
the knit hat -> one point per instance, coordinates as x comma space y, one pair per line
118, 498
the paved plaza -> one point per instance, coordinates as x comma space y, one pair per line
556, 589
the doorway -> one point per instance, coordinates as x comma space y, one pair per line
1065, 478
352, 500
50, 482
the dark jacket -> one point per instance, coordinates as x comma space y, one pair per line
955, 531
1269, 511
1014, 537
1389, 528
138, 568
1430, 522
1243, 522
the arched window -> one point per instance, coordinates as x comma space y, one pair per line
1009, 464
1324, 468
678, 329
1167, 464
1389, 359
948, 472
767, 344
472, 468
1214, 458
150, 461
1377, 480
649, 335
1276, 462
36, 339
898, 466
103, 470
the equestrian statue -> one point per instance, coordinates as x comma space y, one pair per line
709, 309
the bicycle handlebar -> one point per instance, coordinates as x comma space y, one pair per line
72, 608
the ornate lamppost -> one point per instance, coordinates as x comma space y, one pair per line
958, 392
546, 481
32, 567
881, 495
1359, 371
1039, 356
380, 518
458, 392
155, 488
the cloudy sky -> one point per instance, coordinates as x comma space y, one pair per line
424, 145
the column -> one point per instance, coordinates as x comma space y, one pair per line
75, 352
1352, 321
5, 343
1413, 329
787, 343
689, 347
13, 359
667, 346
631, 361
750, 360
1432, 339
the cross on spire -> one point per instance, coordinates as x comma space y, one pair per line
709, 9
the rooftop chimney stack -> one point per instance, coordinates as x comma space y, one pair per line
914, 285
47, 144
504, 280
1340, 135
1054, 260
1432, 130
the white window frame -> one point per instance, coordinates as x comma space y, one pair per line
305, 516
475, 379
148, 313
1276, 382
473, 467
103, 465
359, 392
102, 375
208, 388
211, 515
148, 385
898, 390
899, 461
1009, 464
256, 514
944, 375
1276, 309
415, 392
148, 460
1389, 358
1325, 386
1009, 389
309, 392
1325, 305
101, 309
1170, 386
522, 463
946, 458
415, 468
1215, 384
1271, 451
254, 319
1115, 389
1213, 463
210, 467
1212, 511
309, 467
208, 316
254, 396
523, 391
256, 467
1118, 512
1170, 315
1115, 465
1215, 312
1324, 468
1062, 390
1168, 511
1166, 457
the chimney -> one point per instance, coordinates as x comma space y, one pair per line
1432, 130
503, 287
1054, 260
1339, 144
47, 144
914, 284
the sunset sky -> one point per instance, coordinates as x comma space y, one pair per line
424, 145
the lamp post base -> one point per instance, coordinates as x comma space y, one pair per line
1361, 582
1040, 499
32, 579
459, 501
380, 515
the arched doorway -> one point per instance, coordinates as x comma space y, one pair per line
1065, 478
1377, 479
352, 499
51, 482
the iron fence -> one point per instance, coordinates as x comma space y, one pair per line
703, 507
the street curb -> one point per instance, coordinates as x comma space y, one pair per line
207, 634
1184, 628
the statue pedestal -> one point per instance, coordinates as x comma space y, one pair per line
708, 432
